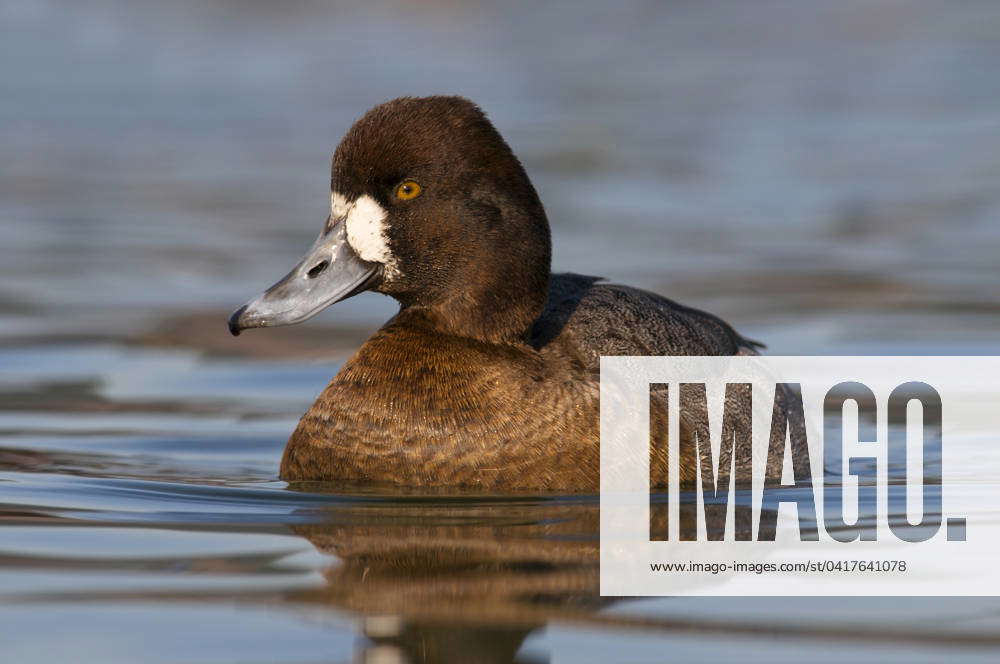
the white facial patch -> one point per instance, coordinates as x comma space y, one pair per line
366, 231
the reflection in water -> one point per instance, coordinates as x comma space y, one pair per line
465, 582
458, 582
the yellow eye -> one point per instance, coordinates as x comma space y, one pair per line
408, 190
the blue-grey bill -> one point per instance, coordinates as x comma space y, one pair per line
330, 272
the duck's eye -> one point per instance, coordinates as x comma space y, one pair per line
408, 190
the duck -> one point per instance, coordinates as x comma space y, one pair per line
488, 375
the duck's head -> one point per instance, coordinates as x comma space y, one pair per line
429, 205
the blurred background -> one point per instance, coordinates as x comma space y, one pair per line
824, 175
819, 173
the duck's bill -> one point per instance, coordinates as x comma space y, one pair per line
330, 272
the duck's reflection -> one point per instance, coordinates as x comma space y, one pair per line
461, 582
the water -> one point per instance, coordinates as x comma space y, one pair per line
821, 174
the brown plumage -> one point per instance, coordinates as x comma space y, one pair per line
488, 375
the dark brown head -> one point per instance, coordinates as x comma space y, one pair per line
428, 205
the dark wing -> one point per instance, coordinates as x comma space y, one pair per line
585, 319
591, 319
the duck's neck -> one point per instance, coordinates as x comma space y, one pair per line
494, 311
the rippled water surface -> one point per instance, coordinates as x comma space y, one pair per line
824, 175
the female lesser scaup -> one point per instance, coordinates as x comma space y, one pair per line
488, 375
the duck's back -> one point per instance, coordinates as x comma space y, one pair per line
590, 318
